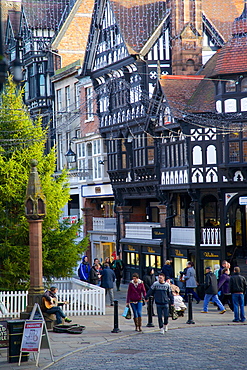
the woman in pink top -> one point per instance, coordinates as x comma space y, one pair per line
135, 295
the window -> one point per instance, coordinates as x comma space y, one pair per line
67, 98
76, 95
59, 101
234, 152
89, 103
244, 84
231, 86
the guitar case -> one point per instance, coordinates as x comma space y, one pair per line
71, 329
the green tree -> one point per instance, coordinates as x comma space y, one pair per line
21, 140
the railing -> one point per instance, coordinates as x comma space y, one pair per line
104, 224
84, 299
210, 236
139, 230
12, 303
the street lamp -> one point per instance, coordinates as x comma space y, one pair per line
70, 156
16, 66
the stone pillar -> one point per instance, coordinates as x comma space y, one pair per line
163, 216
35, 211
36, 289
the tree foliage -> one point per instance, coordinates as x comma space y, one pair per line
21, 140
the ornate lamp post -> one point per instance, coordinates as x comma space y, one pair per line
35, 211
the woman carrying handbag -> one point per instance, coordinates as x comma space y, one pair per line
135, 295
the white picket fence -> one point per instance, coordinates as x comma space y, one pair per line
83, 298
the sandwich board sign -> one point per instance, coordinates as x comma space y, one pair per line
33, 333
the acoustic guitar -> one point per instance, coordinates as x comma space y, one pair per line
54, 302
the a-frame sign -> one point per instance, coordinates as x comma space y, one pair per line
34, 333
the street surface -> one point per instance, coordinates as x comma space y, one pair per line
215, 347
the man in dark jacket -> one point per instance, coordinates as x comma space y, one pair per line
162, 293
211, 291
237, 288
107, 279
84, 269
148, 279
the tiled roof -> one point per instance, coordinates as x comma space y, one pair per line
138, 20
192, 94
232, 58
222, 13
14, 18
44, 14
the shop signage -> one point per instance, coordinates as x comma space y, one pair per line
179, 253
150, 250
103, 238
243, 201
158, 233
210, 255
3, 334
131, 248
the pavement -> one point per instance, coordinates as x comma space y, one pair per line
98, 333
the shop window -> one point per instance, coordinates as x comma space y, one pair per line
133, 259
152, 260
211, 263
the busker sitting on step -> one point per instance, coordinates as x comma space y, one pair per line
49, 305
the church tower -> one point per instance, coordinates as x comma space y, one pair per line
186, 36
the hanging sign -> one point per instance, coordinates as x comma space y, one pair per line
158, 233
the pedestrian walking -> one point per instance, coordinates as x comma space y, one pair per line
107, 279
118, 267
163, 296
211, 291
238, 288
135, 295
190, 281
224, 288
168, 270
148, 279
84, 269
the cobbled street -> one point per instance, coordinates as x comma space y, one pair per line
221, 347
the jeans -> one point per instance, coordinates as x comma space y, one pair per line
137, 309
191, 290
214, 298
162, 310
58, 312
238, 302
110, 291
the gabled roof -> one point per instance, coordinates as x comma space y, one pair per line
222, 13
138, 19
14, 20
232, 58
44, 14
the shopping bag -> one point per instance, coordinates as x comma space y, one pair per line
127, 313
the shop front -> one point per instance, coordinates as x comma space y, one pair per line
140, 254
210, 258
102, 245
179, 257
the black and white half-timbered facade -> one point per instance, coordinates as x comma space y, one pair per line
203, 156
158, 159
29, 34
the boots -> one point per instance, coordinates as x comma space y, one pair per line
139, 324
136, 323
